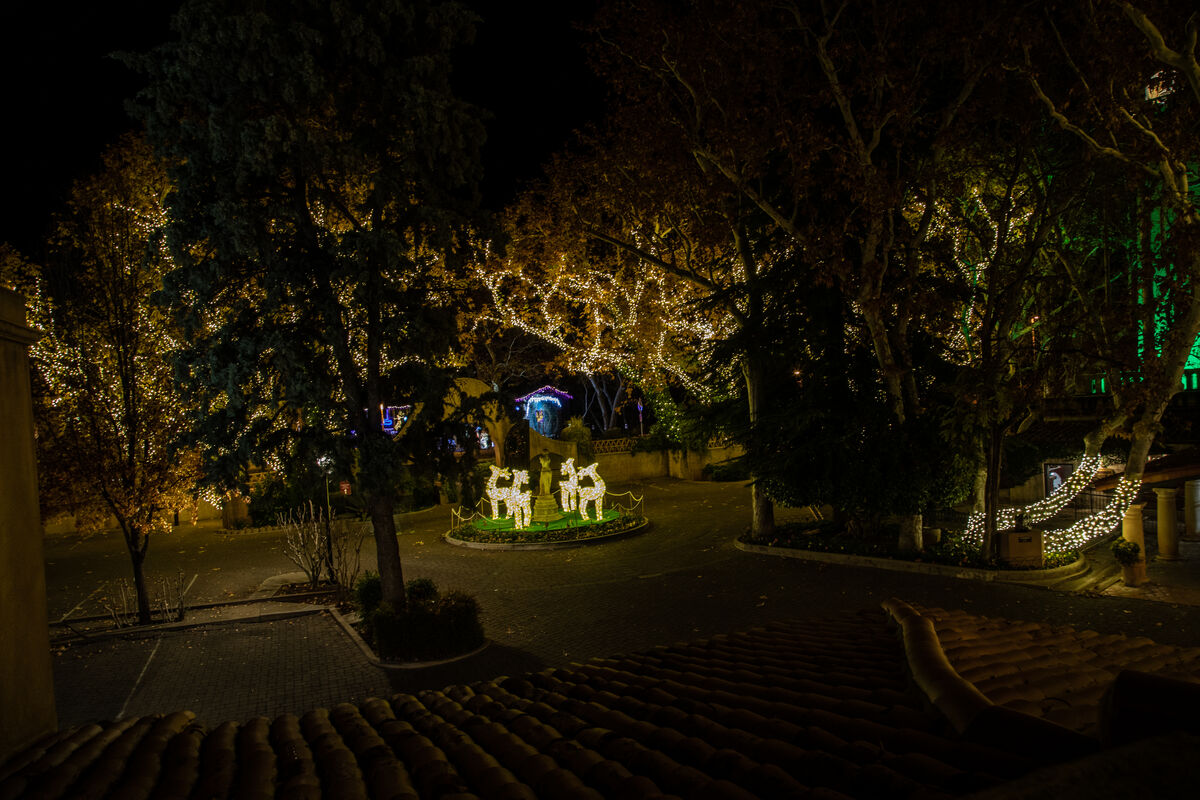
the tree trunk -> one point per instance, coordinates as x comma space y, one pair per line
762, 510
137, 555
387, 550
329, 536
889, 367
911, 537
991, 494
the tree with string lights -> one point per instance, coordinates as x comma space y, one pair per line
1122, 81
109, 420
324, 171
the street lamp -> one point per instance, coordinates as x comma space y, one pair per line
326, 465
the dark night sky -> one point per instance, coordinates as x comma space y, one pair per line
64, 95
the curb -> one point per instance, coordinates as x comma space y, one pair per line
168, 627
349, 630
1034, 577
608, 537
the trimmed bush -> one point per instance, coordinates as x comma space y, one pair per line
368, 593
1126, 553
458, 620
431, 627
421, 592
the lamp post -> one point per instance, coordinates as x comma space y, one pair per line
325, 462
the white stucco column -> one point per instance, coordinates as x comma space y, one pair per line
1168, 536
26, 681
1191, 503
1131, 528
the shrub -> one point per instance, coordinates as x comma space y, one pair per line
1126, 553
421, 592
458, 622
731, 470
368, 593
431, 627
576, 431
386, 628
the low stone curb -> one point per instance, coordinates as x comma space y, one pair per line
608, 537
96, 636
370, 655
1031, 576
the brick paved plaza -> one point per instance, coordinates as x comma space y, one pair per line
682, 579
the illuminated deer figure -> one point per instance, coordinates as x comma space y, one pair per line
591, 494
497, 494
518, 502
569, 486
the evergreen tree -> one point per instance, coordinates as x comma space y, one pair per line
323, 169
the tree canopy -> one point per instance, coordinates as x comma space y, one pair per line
110, 419
323, 173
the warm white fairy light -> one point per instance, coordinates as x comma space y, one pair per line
1099, 524
1082, 532
1041, 510
593, 494
568, 487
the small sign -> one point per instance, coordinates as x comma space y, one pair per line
1055, 475
345, 487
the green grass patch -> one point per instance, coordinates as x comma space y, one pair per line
570, 528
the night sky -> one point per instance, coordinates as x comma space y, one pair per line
64, 95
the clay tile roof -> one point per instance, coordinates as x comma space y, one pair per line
808, 709
1051, 671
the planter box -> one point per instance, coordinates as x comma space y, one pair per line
1022, 549
1134, 574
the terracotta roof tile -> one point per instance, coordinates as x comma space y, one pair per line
811, 709
1054, 672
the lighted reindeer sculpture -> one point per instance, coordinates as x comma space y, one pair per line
593, 494
518, 502
497, 494
569, 486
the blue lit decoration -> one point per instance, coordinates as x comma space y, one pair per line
544, 409
393, 418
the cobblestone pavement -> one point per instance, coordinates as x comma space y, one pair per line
682, 579
231, 671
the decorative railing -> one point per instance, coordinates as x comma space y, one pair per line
610, 446
626, 444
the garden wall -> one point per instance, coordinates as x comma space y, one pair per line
685, 464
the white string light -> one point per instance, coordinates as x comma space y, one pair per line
1078, 535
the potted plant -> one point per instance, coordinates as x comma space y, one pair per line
1129, 555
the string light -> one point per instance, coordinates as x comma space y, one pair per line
517, 501
593, 494
1082, 532
1099, 524
1043, 509
568, 487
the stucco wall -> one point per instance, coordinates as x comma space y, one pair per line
26, 680
685, 464
623, 467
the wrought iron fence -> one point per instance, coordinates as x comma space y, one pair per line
610, 446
